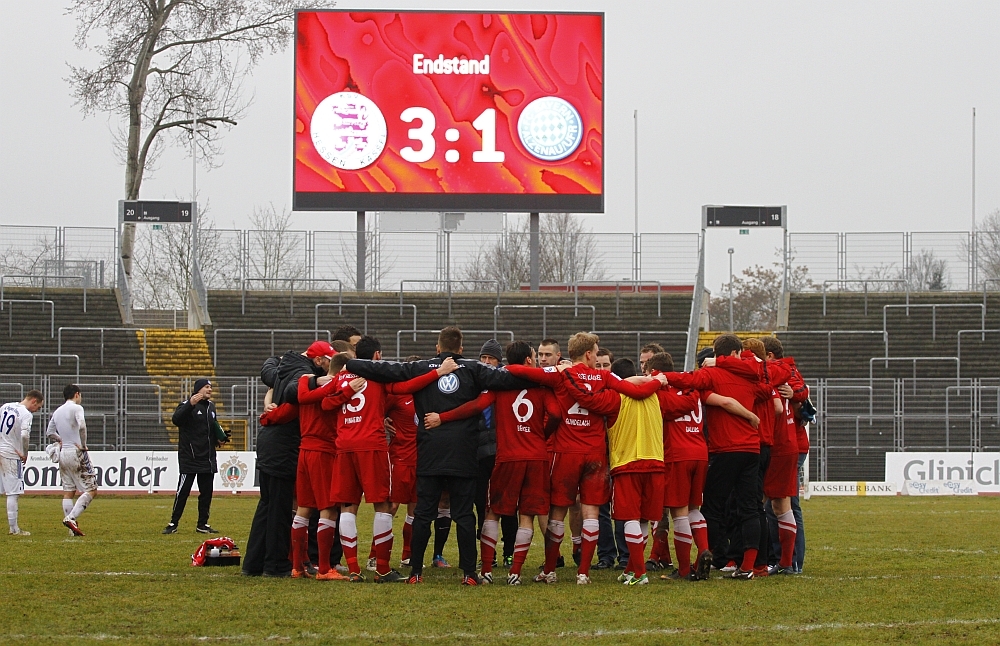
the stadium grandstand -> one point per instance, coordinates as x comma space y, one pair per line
893, 364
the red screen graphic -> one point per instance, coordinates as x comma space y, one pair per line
440, 110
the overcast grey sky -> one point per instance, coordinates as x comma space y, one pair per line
857, 115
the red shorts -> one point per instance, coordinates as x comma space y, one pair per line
404, 484
520, 487
361, 472
782, 478
637, 496
683, 483
579, 473
312, 479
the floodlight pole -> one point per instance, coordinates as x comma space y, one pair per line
731, 326
635, 237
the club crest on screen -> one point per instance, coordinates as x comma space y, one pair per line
448, 383
348, 130
550, 128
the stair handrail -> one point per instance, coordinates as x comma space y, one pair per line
934, 308
864, 282
52, 312
983, 333
448, 282
34, 360
291, 289
102, 329
341, 306
272, 331
84, 280
545, 309
829, 338
636, 288
399, 333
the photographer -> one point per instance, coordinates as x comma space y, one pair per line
199, 435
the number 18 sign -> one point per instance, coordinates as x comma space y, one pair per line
449, 111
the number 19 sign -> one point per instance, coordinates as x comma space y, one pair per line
460, 111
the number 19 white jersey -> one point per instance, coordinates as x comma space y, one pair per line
15, 428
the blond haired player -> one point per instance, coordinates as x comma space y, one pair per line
15, 429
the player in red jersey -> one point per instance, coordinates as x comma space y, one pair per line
317, 452
685, 458
580, 462
362, 466
734, 448
782, 482
520, 480
401, 420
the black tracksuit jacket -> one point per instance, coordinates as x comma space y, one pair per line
449, 449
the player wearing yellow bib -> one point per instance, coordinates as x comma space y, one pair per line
635, 443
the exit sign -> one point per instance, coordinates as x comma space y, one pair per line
744, 232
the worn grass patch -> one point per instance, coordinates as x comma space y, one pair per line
878, 570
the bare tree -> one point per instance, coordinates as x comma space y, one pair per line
927, 273
275, 251
988, 246
163, 264
163, 62
756, 297
568, 253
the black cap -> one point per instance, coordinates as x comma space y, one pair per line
492, 349
199, 384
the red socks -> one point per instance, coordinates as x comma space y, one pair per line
591, 530
786, 534
682, 544
749, 557
324, 540
407, 536
300, 542
521, 544
553, 539
488, 543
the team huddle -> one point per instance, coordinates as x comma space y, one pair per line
708, 450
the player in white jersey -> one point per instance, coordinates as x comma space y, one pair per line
68, 427
15, 429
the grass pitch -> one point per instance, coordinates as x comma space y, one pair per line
877, 570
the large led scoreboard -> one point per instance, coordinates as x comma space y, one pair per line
430, 110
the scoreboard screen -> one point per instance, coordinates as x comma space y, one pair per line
432, 110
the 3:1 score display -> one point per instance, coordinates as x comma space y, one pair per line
485, 123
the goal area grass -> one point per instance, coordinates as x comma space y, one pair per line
877, 570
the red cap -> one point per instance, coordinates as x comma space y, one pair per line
320, 349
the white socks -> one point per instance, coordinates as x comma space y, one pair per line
381, 527
12, 513
326, 524
557, 529
349, 529
67, 506
81, 505
299, 522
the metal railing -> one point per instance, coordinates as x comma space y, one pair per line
33, 301
865, 283
982, 333
341, 306
291, 289
829, 338
449, 283
934, 308
34, 359
399, 334
102, 330
636, 288
638, 339
84, 280
271, 332
545, 309
915, 361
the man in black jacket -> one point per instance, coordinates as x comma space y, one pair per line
446, 455
199, 432
277, 461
